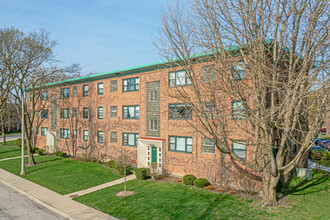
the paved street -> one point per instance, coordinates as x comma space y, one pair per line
16, 206
11, 137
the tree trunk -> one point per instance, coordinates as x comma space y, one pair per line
3, 138
269, 183
29, 150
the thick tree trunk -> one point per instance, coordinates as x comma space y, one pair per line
269, 189
30, 153
4, 138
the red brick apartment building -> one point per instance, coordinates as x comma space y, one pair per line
131, 109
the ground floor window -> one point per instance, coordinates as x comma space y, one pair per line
239, 148
85, 135
74, 134
43, 131
113, 137
130, 139
64, 133
208, 146
180, 144
100, 137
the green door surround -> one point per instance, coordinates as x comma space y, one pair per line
154, 155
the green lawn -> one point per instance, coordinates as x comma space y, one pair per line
156, 200
325, 163
10, 150
62, 175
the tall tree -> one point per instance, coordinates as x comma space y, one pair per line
265, 60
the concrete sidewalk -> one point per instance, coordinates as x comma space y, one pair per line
95, 188
59, 204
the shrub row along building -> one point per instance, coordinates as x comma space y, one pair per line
132, 112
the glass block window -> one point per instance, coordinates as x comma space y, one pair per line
64, 113
208, 73
239, 72
208, 146
238, 110
180, 144
130, 139
43, 131
113, 112
179, 78
100, 89
100, 137
132, 84
85, 90
85, 113
113, 137
100, 112
179, 111
113, 86
239, 148
44, 113
44, 95
85, 135
74, 112
75, 91
64, 133
65, 93
131, 112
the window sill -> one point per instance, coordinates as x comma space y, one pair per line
180, 151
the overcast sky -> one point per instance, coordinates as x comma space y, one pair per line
101, 35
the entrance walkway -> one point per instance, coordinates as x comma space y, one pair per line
59, 204
313, 165
95, 188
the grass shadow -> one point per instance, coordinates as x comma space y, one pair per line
8, 151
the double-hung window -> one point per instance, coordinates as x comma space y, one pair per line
153, 124
130, 139
31, 97
239, 70
180, 144
74, 134
85, 135
100, 137
44, 95
65, 93
74, 112
209, 109
85, 90
131, 112
179, 78
85, 113
132, 84
238, 110
208, 146
208, 74
75, 91
100, 89
64, 113
64, 133
153, 96
43, 131
239, 148
100, 112
113, 137
113, 86
179, 111
113, 112
44, 113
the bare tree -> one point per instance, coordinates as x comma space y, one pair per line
266, 58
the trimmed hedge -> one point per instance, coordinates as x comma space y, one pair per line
19, 142
201, 182
189, 179
142, 173
111, 164
60, 154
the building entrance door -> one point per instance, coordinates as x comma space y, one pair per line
154, 155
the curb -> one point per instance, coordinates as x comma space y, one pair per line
39, 202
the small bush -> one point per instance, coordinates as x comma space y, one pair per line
201, 182
232, 192
189, 179
111, 164
60, 154
120, 169
99, 162
93, 160
38, 151
221, 190
19, 142
209, 187
179, 181
142, 173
